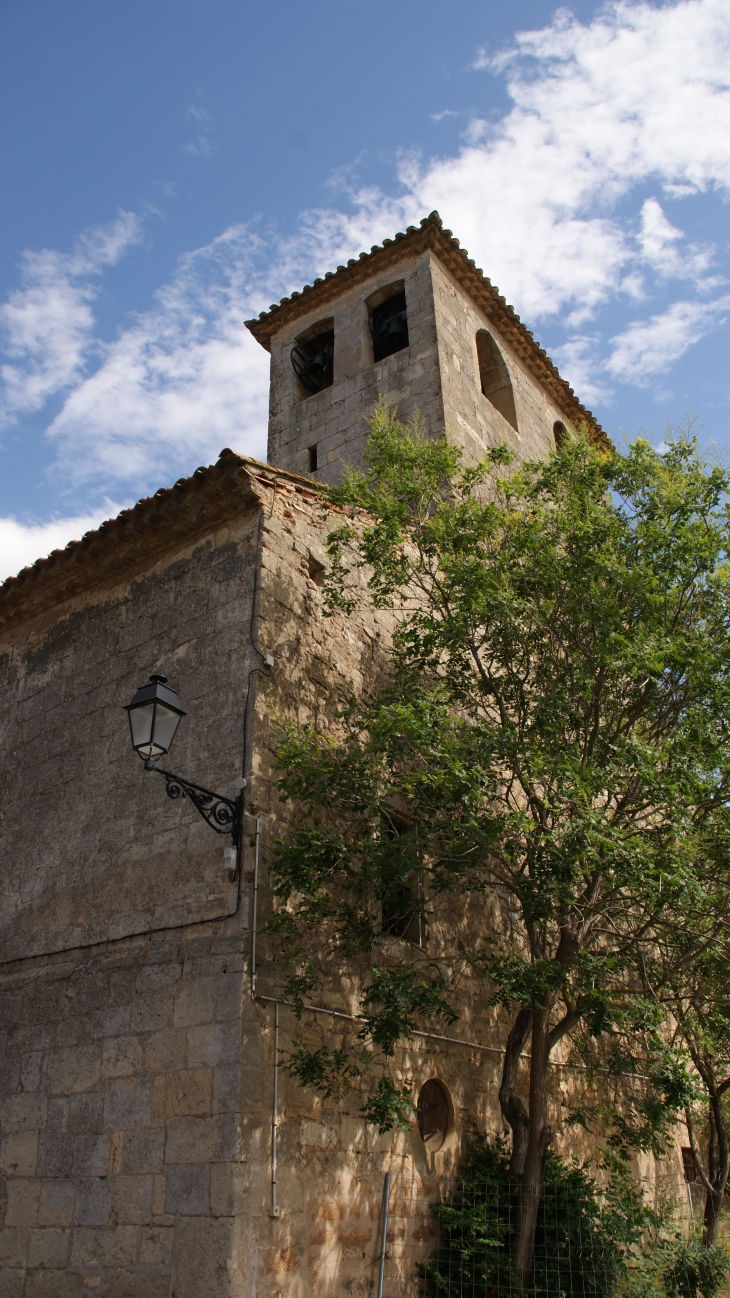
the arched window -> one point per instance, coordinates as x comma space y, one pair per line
560, 433
434, 1114
312, 358
494, 376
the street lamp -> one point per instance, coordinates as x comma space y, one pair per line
154, 715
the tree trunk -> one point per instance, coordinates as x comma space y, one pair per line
718, 1166
513, 1110
538, 1140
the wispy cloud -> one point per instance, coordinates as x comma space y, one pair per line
23, 543
202, 145
651, 347
47, 323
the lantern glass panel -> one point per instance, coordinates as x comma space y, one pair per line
141, 720
166, 723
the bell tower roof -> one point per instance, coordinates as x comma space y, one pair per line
430, 235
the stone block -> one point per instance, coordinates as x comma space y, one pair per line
204, 1258
353, 1134
318, 1135
195, 1002
130, 1284
85, 1112
49, 1247
56, 1207
151, 1011
213, 1043
22, 1201
191, 1140
12, 1282
71, 1070
23, 1112
115, 1247
189, 1092
90, 1155
93, 1201
230, 1187
230, 993
12, 1247
121, 1057
132, 1199
227, 1088
165, 1050
19, 1154
52, 1284
155, 1248
56, 1154
126, 1102
144, 1151
187, 1190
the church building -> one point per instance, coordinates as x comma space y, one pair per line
152, 1144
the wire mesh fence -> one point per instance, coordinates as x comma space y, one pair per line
456, 1238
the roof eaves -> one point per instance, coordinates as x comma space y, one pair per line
143, 533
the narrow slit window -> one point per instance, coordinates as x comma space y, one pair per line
560, 433
494, 377
402, 899
312, 453
312, 358
389, 326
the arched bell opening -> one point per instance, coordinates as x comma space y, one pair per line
312, 358
388, 320
494, 377
560, 434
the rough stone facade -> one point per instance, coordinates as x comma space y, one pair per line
136, 1064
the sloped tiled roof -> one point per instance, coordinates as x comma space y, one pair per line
430, 234
139, 536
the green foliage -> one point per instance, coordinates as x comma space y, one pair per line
389, 1107
588, 1241
329, 1071
692, 1268
583, 1241
555, 730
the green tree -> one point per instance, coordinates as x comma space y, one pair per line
552, 738
697, 991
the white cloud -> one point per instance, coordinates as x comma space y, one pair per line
641, 92
23, 543
47, 324
650, 347
660, 243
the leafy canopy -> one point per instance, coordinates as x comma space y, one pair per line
544, 772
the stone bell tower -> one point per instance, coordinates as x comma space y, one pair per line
416, 323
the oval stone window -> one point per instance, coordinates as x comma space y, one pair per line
433, 1114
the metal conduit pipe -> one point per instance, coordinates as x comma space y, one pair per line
274, 1208
454, 1041
383, 1233
254, 917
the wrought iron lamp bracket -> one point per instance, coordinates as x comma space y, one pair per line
222, 814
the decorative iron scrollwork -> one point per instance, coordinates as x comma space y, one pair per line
222, 814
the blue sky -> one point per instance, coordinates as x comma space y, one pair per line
171, 168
